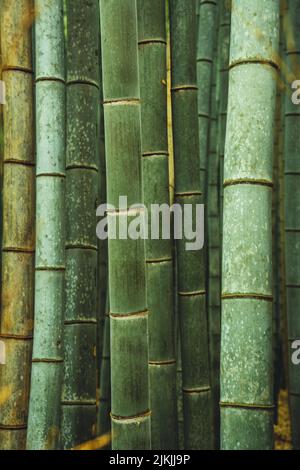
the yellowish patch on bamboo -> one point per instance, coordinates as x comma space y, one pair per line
283, 429
5, 393
99, 443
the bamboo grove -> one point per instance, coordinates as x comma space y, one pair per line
118, 331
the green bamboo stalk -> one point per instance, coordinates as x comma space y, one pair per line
47, 358
246, 344
18, 222
216, 152
159, 261
292, 226
276, 259
214, 256
283, 294
103, 344
224, 43
104, 424
82, 181
205, 54
127, 293
190, 264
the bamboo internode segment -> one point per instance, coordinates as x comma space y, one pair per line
82, 190
47, 359
18, 221
247, 356
292, 214
127, 284
190, 264
159, 261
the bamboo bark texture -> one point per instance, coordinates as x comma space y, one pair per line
246, 345
82, 189
190, 264
127, 285
18, 222
292, 214
47, 359
159, 261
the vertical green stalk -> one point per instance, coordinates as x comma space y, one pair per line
224, 46
292, 215
205, 56
18, 222
246, 344
159, 261
127, 285
213, 256
103, 343
47, 360
190, 264
82, 182
104, 424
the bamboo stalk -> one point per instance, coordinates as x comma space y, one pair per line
190, 264
159, 261
246, 345
205, 55
82, 181
47, 358
224, 41
18, 221
292, 226
213, 255
104, 425
127, 293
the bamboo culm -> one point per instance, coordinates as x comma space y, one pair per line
82, 189
104, 424
292, 214
18, 222
47, 359
127, 285
190, 264
246, 351
205, 52
159, 261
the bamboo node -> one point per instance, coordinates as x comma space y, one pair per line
179, 88
122, 102
255, 406
137, 417
254, 296
143, 313
192, 293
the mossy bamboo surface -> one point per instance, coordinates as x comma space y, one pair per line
205, 54
246, 344
292, 216
47, 358
127, 284
159, 261
82, 189
18, 221
190, 264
